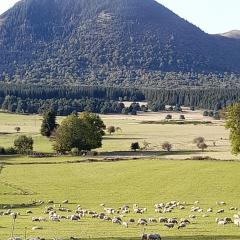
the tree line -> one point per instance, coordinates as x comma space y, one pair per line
64, 99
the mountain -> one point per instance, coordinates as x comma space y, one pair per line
235, 34
107, 42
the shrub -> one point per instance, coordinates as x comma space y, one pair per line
168, 117
75, 152
182, 117
202, 146
167, 146
2, 150
10, 151
198, 140
205, 113
135, 146
23, 144
111, 129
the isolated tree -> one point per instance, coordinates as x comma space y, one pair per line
111, 129
118, 129
83, 132
17, 129
48, 123
198, 140
182, 117
135, 146
146, 145
23, 144
168, 117
167, 146
202, 146
233, 124
205, 113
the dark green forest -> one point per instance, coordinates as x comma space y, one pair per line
112, 43
65, 100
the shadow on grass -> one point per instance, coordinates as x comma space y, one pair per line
174, 238
150, 153
121, 138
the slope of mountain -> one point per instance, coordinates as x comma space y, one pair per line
110, 42
235, 34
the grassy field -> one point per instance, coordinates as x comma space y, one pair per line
133, 130
145, 182
155, 177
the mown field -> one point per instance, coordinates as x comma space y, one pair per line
153, 178
133, 130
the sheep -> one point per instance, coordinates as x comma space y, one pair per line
169, 225
182, 220
172, 220
131, 220
125, 224
116, 221
163, 220
36, 228
236, 216
220, 203
142, 221
182, 225
237, 222
221, 222
158, 210
29, 212
220, 211
151, 237
228, 220
74, 218
210, 210
65, 202
106, 218
152, 220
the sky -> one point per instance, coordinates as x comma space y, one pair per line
212, 16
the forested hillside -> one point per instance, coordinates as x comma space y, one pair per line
113, 43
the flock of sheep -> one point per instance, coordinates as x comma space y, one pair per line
58, 212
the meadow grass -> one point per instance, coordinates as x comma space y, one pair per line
145, 182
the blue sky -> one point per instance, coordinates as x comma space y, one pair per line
212, 16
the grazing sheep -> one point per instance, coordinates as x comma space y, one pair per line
163, 220
220, 211
169, 225
233, 209
37, 228
65, 202
182, 220
158, 210
125, 224
152, 220
131, 220
221, 222
29, 212
182, 225
221, 203
142, 221
210, 210
172, 220
237, 222
228, 220
116, 221
151, 237
74, 218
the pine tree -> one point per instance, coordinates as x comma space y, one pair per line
48, 123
